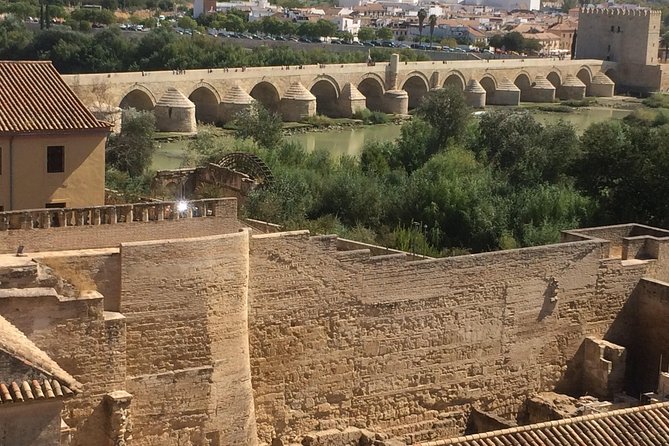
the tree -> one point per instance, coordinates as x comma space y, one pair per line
448, 114
186, 22
259, 124
103, 16
132, 150
433, 22
384, 33
325, 28
366, 34
422, 14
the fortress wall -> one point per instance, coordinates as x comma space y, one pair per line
185, 303
74, 334
96, 271
111, 235
381, 342
651, 336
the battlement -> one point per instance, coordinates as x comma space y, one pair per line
638, 12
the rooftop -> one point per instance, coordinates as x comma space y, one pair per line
639, 426
35, 99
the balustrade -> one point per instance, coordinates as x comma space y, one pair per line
107, 215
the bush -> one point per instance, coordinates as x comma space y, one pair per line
657, 100
320, 121
369, 117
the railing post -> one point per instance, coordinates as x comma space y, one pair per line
113, 217
27, 221
97, 220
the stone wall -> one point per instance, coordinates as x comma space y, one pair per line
75, 334
651, 338
344, 339
30, 424
185, 303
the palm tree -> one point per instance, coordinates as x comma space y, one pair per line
422, 14
433, 22
665, 42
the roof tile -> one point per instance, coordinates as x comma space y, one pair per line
35, 99
638, 426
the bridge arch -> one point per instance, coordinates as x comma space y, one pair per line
206, 100
138, 97
455, 79
585, 76
555, 79
327, 92
489, 85
371, 87
523, 83
416, 85
267, 95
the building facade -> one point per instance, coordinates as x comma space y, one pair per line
51, 145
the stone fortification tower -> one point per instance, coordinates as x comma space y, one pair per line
629, 37
618, 35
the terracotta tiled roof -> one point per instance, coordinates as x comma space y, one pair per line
35, 99
24, 391
52, 378
638, 426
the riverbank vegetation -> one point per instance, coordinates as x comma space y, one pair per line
452, 183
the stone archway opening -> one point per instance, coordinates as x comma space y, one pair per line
584, 76
327, 99
372, 90
206, 105
455, 81
416, 88
524, 85
137, 99
267, 95
554, 79
488, 85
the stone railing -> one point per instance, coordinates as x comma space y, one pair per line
108, 215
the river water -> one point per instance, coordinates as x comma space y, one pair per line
350, 141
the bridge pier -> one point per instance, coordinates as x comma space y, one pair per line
298, 103
234, 101
475, 94
396, 102
351, 100
572, 88
506, 93
601, 86
541, 90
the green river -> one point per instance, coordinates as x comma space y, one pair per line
351, 140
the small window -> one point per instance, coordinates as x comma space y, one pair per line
2, 209
618, 29
613, 28
54, 205
55, 159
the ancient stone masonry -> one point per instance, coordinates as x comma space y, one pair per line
332, 90
203, 334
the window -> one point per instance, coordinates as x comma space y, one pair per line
613, 28
54, 205
55, 159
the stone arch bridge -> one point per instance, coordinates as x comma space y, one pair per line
339, 90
